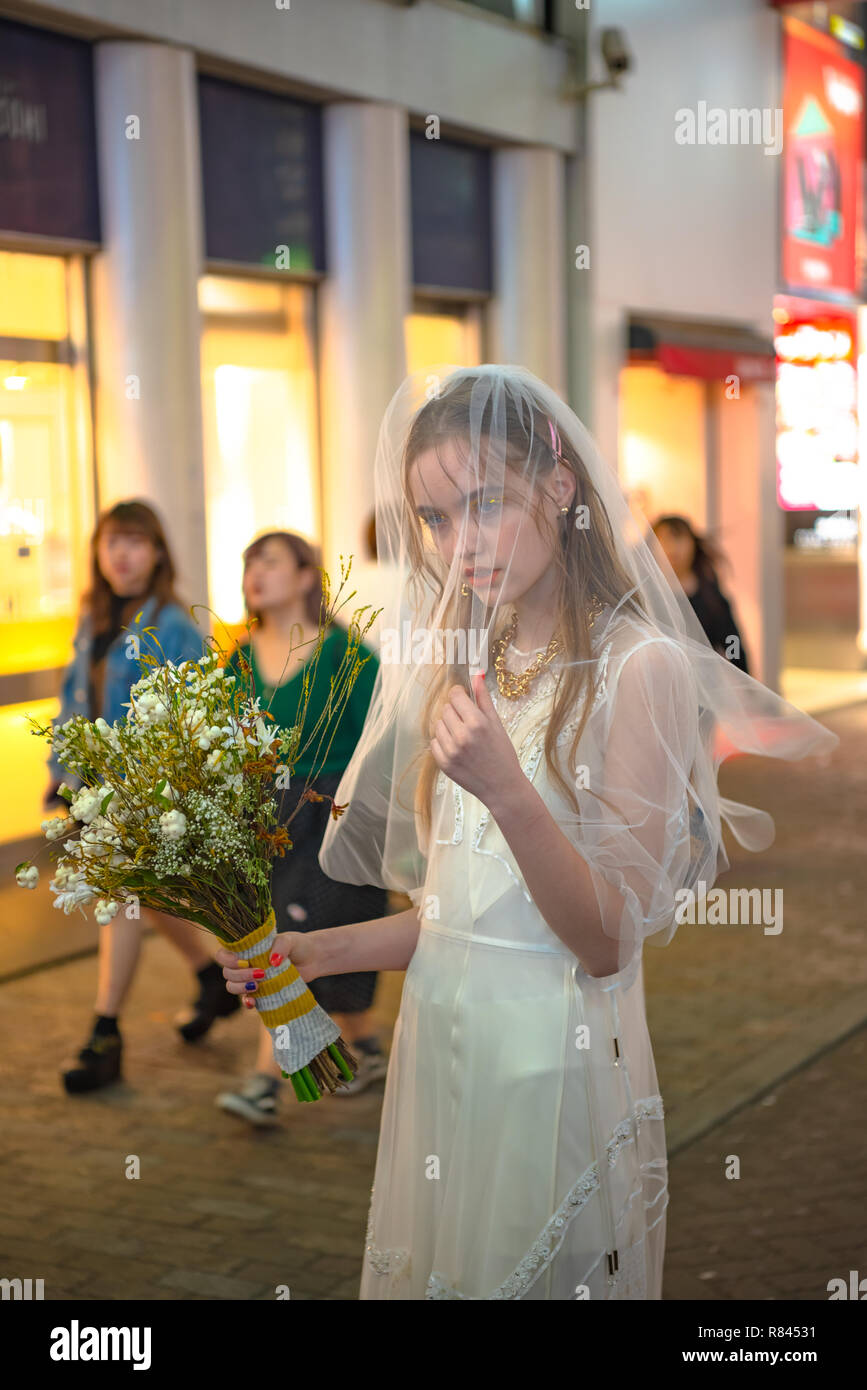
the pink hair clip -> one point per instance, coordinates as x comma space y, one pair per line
555, 441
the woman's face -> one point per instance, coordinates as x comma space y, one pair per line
494, 539
679, 548
127, 560
273, 578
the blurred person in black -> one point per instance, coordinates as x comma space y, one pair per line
696, 562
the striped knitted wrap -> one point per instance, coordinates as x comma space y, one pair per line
299, 1028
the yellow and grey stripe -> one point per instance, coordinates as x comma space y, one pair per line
299, 1028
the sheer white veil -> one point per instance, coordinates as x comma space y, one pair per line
476, 469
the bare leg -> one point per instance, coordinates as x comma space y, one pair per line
265, 1056
119, 946
188, 938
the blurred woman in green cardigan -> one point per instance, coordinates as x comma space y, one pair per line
283, 591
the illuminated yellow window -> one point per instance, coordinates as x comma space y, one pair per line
46, 478
46, 507
441, 335
260, 433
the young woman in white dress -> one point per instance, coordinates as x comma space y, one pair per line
537, 773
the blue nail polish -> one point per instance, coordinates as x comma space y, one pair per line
251, 984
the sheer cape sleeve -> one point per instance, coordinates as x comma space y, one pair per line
639, 805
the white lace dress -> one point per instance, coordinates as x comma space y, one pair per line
522, 1148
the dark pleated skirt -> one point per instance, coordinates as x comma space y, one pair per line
297, 882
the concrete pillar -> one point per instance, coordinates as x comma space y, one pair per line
146, 317
364, 302
750, 524
530, 258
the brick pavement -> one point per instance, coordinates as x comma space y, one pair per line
223, 1212
797, 1215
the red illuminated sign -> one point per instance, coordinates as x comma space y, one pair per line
823, 120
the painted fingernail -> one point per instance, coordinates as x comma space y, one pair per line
258, 974
242, 964
251, 985
276, 958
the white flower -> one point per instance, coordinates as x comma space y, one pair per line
266, 734
28, 877
91, 844
77, 895
62, 875
54, 827
105, 910
86, 804
173, 825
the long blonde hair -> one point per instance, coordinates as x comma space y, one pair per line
586, 561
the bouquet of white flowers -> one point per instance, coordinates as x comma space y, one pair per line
177, 812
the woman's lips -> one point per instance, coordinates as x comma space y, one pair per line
482, 575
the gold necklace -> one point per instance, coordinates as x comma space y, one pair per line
514, 685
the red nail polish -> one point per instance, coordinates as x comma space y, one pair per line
258, 974
276, 958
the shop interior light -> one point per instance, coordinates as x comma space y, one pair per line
15, 382
806, 343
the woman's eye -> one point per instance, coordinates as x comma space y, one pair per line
433, 520
489, 504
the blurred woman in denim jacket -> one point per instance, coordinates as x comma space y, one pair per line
132, 572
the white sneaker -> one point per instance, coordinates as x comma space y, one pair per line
372, 1066
255, 1100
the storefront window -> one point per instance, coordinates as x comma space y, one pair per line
45, 474
662, 455
260, 435
443, 334
46, 507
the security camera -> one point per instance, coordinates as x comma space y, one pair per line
615, 54
617, 59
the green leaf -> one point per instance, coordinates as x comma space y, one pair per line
25, 864
66, 794
105, 800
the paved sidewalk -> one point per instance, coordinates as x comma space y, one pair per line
731, 1008
797, 1215
224, 1212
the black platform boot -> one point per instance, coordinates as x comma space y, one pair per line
99, 1060
213, 1002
